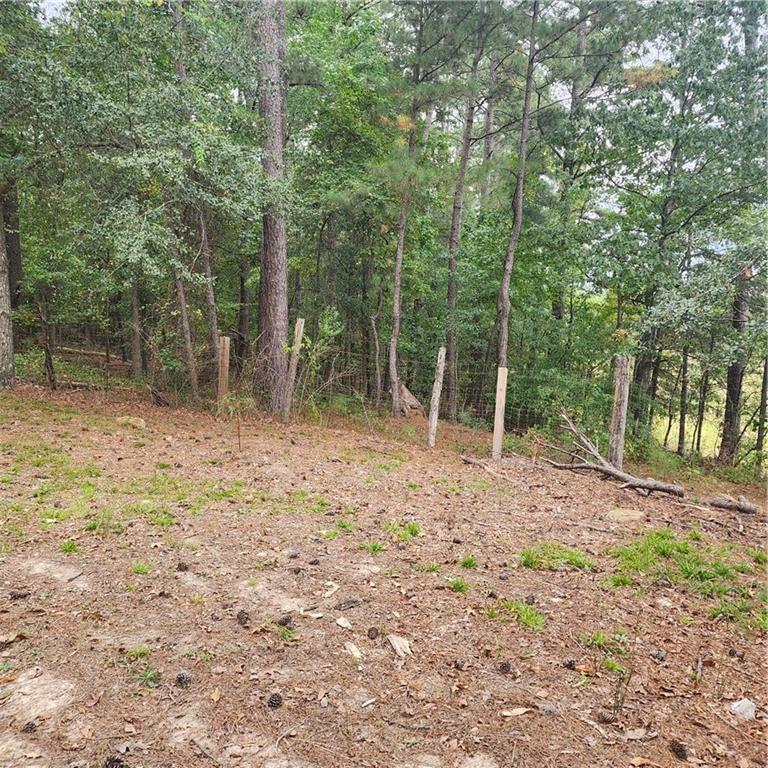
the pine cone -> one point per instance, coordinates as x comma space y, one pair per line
275, 701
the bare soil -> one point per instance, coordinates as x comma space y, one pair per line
131, 552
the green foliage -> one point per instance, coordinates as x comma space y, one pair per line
549, 555
527, 616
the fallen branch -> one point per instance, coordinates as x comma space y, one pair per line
630, 481
600, 464
742, 504
482, 464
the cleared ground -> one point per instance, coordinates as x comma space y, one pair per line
171, 599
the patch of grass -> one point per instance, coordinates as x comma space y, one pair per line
613, 666
619, 580
614, 644
196, 599
759, 556
372, 547
104, 523
140, 569
550, 556
412, 486
69, 546
491, 612
527, 616
162, 465
286, 633
403, 531
345, 525
149, 677
139, 652
458, 585
331, 533
427, 567
469, 561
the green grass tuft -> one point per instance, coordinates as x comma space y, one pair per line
526, 615
550, 556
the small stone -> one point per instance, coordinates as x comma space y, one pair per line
493, 594
505, 667
296, 571
503, 575
458, 664
291, 554
547, 708
313, 561
18, 594
324, 702
530, 599
734, 654
659, 654
275, 701
373, 633
456, 540
569, 664
183, 678
286, 620
243, 618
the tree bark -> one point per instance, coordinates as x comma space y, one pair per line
703, 394
503, 301
210, 298
734, 379
376, 349
186, 334
271, 369
242, 338
394, 380
10, 215
761, 426
137, 364
619, 416
683, 403
454, 236
488, 137
6, 324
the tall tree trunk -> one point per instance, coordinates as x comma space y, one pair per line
394, 380
761, 426
137, 364
454, 236
210, 298
671, 407
735, 377
376, 350
271, 371
517, 203
488, 136
186, 335
683, 403
6, 325
10, 214
242, 337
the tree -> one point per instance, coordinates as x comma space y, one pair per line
271, 360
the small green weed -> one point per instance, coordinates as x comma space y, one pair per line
372, 547
139, 652
526, 615
140, 569
69, 546
458, 585
550, 556
427, 567
469, 561
149, 677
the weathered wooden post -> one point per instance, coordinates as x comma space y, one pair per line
223, 383
619, 416
434, 405
498, 416
298, 333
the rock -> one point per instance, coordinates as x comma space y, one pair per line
621, 515
547, 708
659, 654
479, 761
744, 709
131, 421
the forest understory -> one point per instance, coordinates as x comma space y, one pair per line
308, 595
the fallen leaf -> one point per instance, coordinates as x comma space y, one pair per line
400, 645
343, 622
516, 712
216, 695
633, 734
333, 588
353, 651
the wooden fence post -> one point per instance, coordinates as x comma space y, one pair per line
498, 416
619, 415
298, 333
223, 384
434, 405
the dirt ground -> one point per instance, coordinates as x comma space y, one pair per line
168, 598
